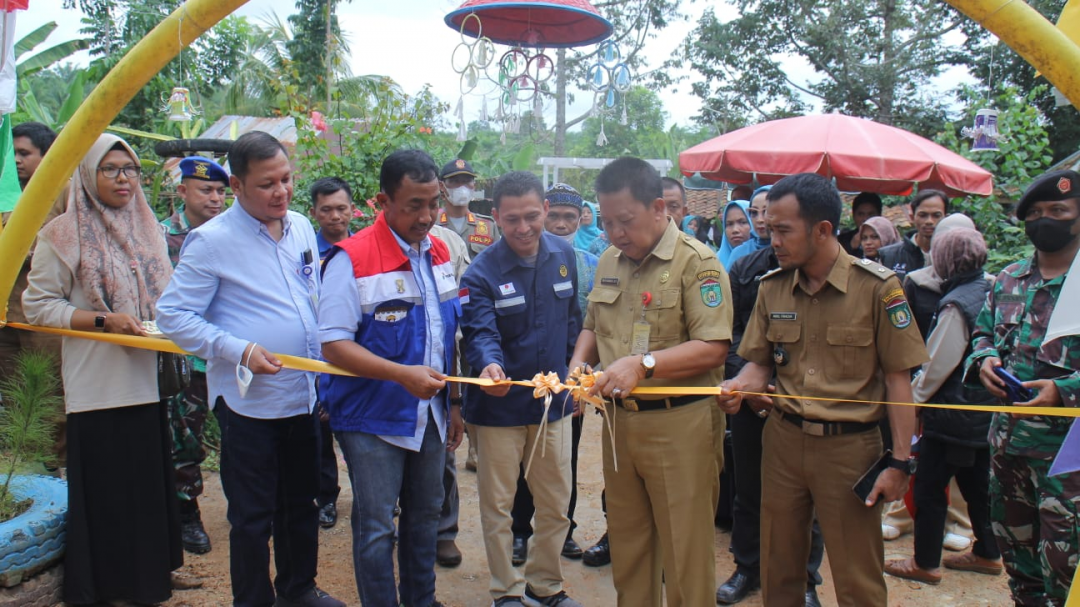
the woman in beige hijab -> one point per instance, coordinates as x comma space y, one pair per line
101, 266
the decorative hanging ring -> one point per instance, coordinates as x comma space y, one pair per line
598, 77
469, 79
461, 58
609, 54
514, 62
465, 21
541, 68
620, 78
483, 53
524, 88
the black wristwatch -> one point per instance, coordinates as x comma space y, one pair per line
457, 401
99, 321
907, 466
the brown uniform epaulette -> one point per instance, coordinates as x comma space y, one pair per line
703, 251
771, 273
873, 268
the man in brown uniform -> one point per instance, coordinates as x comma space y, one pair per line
836, 327
659, 314
458, 182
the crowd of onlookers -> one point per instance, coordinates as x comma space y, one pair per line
771, 297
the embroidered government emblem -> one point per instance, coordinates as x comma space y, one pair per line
711, 294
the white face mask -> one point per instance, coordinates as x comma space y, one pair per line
460, 196
243, 379
570, 237
244, 374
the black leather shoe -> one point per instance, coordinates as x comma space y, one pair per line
520, 551
599, 555
811, 597
571, 550
736, 588
328, 516
314, 598
192, 534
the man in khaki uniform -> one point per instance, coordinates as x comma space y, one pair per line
836, 327
458, 183
659, 315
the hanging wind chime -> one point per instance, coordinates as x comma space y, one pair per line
177, 104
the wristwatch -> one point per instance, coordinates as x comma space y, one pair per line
648, 362
907, 466
99, 321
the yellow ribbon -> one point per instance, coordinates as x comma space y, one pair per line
576, 384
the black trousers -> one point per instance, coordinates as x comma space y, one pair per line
523, 510
746, 429
329, 489
270, 476
939, 462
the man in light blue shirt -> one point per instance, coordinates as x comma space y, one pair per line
247, 285
389, 314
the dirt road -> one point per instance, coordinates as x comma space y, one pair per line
466, 586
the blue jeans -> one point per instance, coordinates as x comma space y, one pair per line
383, 475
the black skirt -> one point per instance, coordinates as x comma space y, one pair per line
123, 528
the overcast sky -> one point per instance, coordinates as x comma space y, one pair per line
408, 41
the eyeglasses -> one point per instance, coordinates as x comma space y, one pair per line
131, 171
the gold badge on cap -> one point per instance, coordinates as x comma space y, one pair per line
460, 163
1064, 185
202, 170
562, 271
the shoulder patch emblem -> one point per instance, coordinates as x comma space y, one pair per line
714, 274
480, 239
482, 228
898, 310
711, 293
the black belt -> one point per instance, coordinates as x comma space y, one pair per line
634, 404
814, 427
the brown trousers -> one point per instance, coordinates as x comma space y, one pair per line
801, 475
661, 503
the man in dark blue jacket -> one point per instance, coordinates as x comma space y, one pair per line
521, 317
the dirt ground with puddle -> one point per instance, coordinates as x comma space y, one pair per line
466, 585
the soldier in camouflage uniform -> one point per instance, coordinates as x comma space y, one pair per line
202, 188
1034, 515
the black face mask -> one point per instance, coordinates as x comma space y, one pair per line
1050, 235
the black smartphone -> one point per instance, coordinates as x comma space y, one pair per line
1015, 389
866, 483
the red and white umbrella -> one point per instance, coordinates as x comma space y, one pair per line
861, 155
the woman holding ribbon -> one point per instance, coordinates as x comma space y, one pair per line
100, 267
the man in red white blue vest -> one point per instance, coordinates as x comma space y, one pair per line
390, 317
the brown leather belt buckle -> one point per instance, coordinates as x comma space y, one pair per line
630, 404
813, 428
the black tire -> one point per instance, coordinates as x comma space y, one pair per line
43, 590
34, 540
179, 148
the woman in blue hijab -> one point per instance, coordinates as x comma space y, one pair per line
759, 238
587, 231
698, 227
735, 223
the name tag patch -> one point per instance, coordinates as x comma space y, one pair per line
564, 286
610, 281
783, 315
509, 303
391, 314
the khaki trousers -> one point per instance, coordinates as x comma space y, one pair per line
660, 505
801, 475
501, 452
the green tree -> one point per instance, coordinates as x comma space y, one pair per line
1023, 155
317, 46
871, 58
997, 64
641, 135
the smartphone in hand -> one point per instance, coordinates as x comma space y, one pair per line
1013, 386
866, 482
